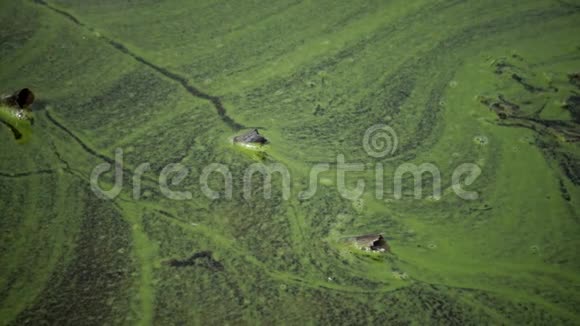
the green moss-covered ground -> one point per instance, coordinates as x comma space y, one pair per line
485, 82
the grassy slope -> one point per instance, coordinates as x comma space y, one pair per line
315, 76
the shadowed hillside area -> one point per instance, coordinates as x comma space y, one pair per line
470, 212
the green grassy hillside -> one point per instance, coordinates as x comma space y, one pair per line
488, 82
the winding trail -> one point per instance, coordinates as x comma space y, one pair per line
25, 174
192, 90
78, 140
